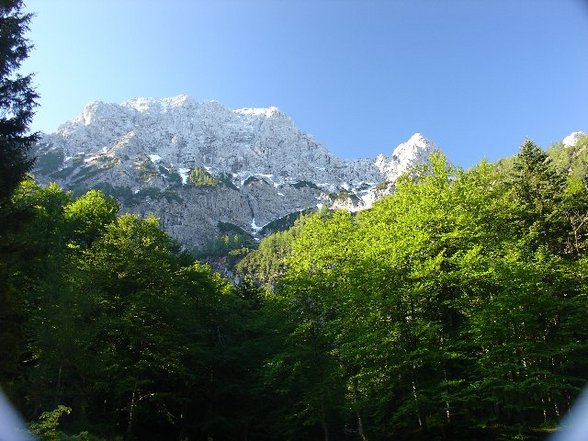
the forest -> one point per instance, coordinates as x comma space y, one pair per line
453, 309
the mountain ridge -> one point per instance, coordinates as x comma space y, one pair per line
197, 164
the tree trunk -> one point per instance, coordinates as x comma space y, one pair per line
58, 386
447, 405
357, 413
324, 420
132, 407
416, 402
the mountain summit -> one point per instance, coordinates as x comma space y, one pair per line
205, 169
413, 152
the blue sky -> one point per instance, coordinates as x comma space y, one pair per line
476, 77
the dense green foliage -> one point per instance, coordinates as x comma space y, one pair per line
109, 318
454, 309
267, 263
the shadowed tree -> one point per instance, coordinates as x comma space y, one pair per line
17, 98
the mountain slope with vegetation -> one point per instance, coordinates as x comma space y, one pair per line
454, 308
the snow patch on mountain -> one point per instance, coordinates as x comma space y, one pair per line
184, 175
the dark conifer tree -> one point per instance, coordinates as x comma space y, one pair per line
17, 101
538, 190
17, 98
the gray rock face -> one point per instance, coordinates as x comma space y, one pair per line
201, 167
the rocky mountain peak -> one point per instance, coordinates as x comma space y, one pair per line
415, 151
95, 111
572, 139
415, 148
146, 105
205, 169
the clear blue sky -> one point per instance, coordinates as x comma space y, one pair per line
476, 77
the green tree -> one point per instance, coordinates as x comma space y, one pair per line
538, 188
88, 216
573, 163
17, 99
267, 263
46, 428
312, 294
199, 177
33, 270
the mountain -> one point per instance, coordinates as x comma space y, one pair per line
205, 169
572, 139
